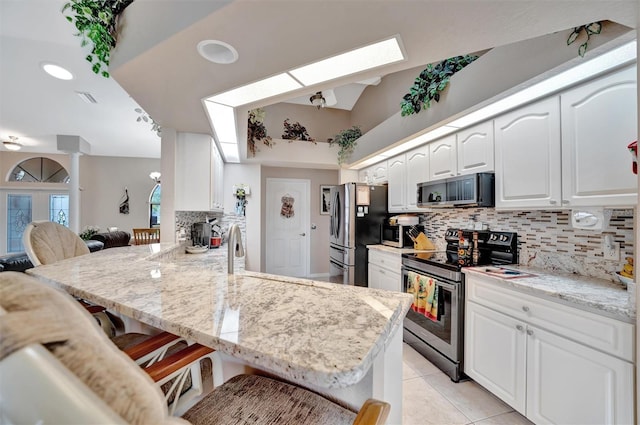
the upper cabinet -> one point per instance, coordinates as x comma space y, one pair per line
443, 158
527, 152
404, 172
199, 169
475, 149
375, 174
599, 120
466, 152
570, 150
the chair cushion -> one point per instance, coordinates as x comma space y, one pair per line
15, 262
36, 313
253, 399
113, 239
52, 242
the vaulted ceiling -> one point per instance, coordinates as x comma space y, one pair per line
156, 65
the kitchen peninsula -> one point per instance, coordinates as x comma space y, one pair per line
339, 340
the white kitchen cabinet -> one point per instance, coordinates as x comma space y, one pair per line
384, 270
217, 186
375, 174
197, 181
443, 158
553, 363
599, 120
527, 156
475, 149
404, 172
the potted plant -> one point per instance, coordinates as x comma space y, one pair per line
256, 131
96, 22
431, 81
346, 139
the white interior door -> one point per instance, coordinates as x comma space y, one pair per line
287, 227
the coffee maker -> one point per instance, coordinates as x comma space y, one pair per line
201, 234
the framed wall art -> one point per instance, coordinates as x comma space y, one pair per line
325, 199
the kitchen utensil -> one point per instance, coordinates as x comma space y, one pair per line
422, 242
624, 280
196, 249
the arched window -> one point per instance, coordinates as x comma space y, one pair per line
154, 206
39, 170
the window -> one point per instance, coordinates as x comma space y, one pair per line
59, 209
18, 217
42, 170
154, 206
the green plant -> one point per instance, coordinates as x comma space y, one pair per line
88, 232
296, 131
256, 131
431, 81
96, 22
590, 29
346, 139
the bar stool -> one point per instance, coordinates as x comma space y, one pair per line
145, 236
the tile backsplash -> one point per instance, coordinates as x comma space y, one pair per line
184, 220
546, 239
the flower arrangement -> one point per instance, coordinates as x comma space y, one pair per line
256, 131
296, 131
88, 232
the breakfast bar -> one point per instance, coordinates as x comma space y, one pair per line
339, 340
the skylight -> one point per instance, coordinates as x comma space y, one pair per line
361, 59
258, 90
223, 121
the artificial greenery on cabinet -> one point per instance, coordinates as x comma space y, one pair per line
347, 140
296, 131
590, 29
431, 81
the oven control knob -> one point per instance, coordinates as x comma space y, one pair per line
503, 237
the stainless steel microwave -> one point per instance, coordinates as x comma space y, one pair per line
470, 190
397, 236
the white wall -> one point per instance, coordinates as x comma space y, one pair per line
103, 180
248, 175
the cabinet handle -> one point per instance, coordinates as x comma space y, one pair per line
564, 201
525, 308
553, 201
529, 332
520, 328
381, 271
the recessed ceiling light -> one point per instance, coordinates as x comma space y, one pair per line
217, 51
57, 71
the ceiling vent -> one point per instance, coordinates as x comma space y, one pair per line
86, 96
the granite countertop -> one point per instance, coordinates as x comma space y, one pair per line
586, 293
394, 250
308, 331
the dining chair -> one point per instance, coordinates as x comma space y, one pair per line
145, 236
102, 385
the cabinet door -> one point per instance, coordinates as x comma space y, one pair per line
380, 278
475, 149
217, 174
443, 158
193, 172
417, 166
379, 173
599, 120
495, 353
396, 174
569, 383
527, 153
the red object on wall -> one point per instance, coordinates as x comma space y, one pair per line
633, 148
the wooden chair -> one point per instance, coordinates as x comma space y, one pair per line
146, 236
105, 386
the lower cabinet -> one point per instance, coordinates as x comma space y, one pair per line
384, 270
545, 376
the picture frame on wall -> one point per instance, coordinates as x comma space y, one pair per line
325, 199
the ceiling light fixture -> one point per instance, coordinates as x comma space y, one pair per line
57, 71
318, 100
217, 51
12, 145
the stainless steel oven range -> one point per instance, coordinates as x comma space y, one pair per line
436, 328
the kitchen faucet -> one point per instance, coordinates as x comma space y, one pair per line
235, 244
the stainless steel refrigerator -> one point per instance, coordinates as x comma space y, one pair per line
357, 211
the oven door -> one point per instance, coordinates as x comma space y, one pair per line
443, 334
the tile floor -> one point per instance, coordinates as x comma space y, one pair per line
431, 398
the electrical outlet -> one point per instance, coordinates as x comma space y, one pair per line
610, 249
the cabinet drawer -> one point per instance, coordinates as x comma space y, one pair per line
386, 260
602, 333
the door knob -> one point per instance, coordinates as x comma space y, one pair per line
303, 234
